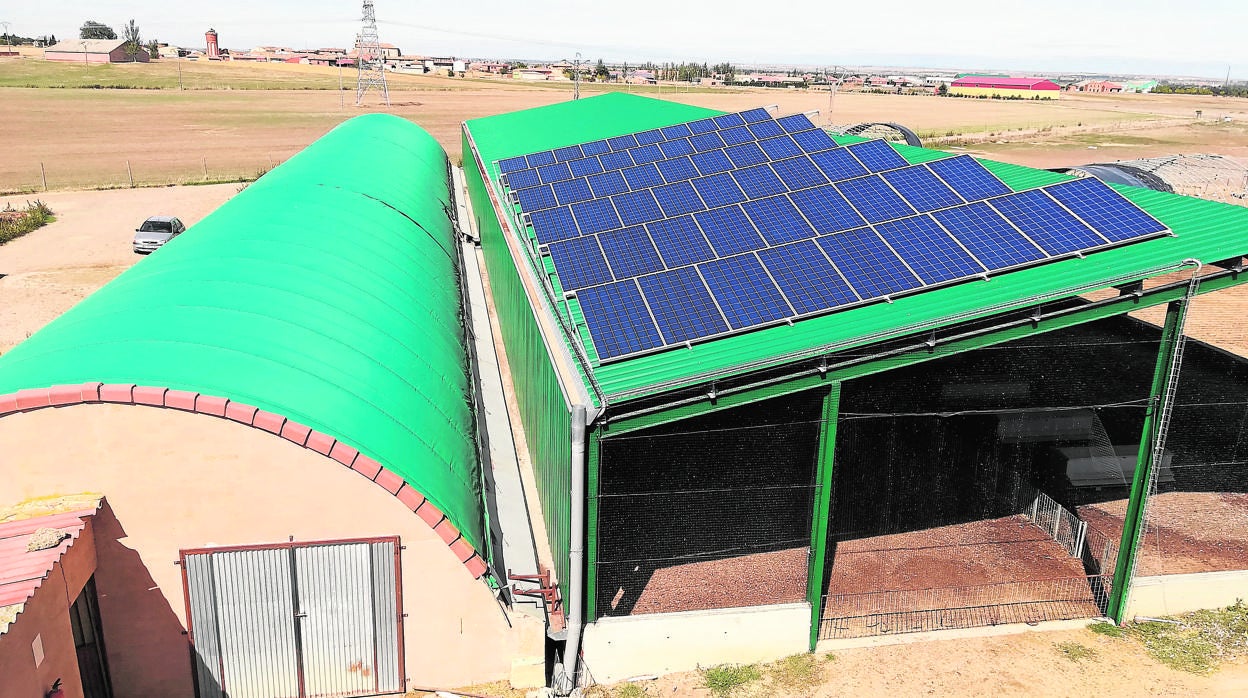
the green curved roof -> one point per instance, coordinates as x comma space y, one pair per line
326, 292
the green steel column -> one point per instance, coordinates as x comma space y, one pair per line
592, 459
821, 513
1133, 523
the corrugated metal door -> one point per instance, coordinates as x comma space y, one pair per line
296, 620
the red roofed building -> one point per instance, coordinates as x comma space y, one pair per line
1005, 88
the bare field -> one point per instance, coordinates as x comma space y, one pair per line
105, 137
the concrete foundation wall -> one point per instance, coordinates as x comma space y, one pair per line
619, 648
1180, 593
175, 480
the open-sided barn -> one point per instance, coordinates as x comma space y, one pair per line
781, 388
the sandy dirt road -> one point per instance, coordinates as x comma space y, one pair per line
48, 271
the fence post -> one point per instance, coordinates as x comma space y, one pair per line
205, 161
130, 174
44, 174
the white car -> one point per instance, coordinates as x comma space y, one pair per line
155, 232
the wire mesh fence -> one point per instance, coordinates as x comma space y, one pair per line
946, 608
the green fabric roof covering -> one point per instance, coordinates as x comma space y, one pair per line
326, 292
1204, 230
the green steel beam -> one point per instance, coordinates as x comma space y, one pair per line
920, 352
593, 458
1133, 523
822, 512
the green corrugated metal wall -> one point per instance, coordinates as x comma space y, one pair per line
544, 411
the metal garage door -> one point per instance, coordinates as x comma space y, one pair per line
296, 620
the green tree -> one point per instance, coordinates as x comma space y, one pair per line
942, 89
600, 71
134, 42
153, 49
95, 30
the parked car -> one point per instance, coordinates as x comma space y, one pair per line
155, 232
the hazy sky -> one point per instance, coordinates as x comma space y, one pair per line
1191, 37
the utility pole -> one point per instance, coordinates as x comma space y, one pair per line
9, 42
369, 58
576, 77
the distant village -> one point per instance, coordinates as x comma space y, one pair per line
946, 83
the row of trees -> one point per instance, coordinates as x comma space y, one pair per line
671, 72
91, 29
1236, 90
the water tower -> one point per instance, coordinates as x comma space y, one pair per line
214, 52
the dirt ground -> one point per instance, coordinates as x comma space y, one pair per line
1187, 532
47, 271
749, 580
163, 136
1026, 664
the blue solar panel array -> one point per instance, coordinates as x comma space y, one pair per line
741, 220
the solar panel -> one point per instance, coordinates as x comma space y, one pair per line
929, 250
729, 231
706, 141
647, 153
595, 216
746, 154
1047, 223
794, 123
571, 152
736, 136
827, 210
988, 236
870, 267
719, 190
877, 155
650, 137
681, 305
637, 207
758, 181
779, 148
838, 164
622, 142
735, 222
1108, 212
766, 129
711, 161
630, 252
585, 167
814, 141
536, 198
542, 158
702, 126
607, 184
678, 199
745, 293
755, 115
510, 165
642, 176
616, 161
677, 169
874, 199
799, 173
553, 224
806, 277
579, 263
778, 220
570, 192
922, 189
554, 173
676, 148
595, 148
521, 179
680, 241
618, 320
673, 132
968, 177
